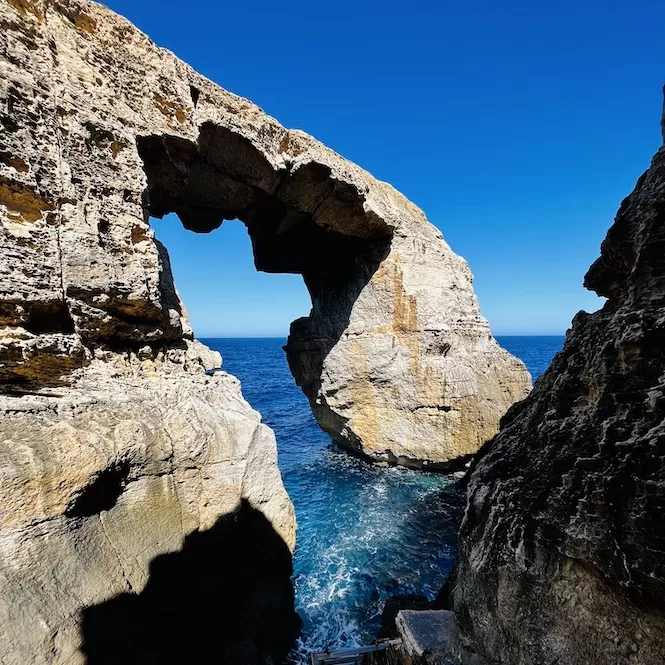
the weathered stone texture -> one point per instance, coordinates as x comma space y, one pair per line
115, 448
562, 550
425, 636
99, 479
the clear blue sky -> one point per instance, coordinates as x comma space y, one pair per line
517, 126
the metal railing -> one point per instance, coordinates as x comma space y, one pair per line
345, 656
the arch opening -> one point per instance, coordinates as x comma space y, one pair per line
225, 296
299, 218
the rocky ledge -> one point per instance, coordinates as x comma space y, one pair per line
105, 485
140, 499
123, 467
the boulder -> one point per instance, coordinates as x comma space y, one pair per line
105, 482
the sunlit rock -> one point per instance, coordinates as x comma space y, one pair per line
103, 129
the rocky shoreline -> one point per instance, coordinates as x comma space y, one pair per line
140, 497
119, 455
104, 130
562, 546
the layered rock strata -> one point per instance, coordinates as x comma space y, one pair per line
562, 549
102, 129
102, 479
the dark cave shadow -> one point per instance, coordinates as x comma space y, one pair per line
226, 597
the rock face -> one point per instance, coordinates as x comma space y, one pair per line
425, 636
101, 129
101, 478
562, 550
142, 514
120, 460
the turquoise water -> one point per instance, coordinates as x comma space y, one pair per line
364, 533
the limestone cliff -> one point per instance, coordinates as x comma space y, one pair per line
101, 480
102, 129
562, 549
140, 500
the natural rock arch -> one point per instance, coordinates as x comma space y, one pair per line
299, 221
302, 219
115, 446
395, 358
292, 219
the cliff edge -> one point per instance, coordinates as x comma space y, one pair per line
103, 129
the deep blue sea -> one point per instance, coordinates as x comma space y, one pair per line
364, 533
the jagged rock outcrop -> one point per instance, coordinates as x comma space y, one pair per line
101, 129
121, 462
562, 549
99, 481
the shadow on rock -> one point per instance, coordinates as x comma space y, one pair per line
226, 597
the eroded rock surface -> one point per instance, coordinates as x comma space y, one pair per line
562, 550
116, 451
142, 514
101, 129
99, 481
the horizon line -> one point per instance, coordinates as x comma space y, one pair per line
273, 336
